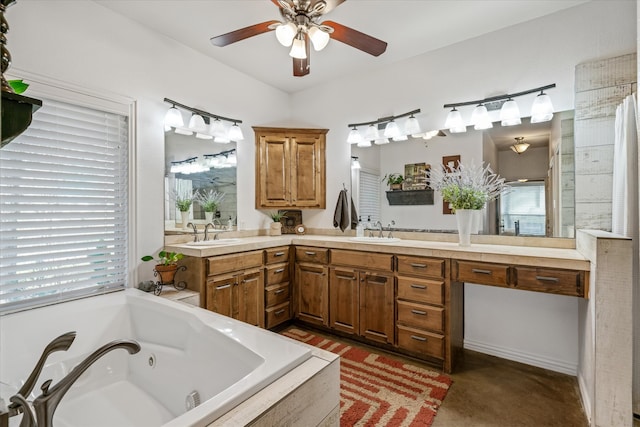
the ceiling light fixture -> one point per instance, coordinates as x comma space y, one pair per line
391, 130
541, 110
520, 146
198, 124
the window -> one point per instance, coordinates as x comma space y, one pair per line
522, 210
63, 207
369, 197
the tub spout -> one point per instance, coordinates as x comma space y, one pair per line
45, 405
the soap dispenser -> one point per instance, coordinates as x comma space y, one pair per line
360, 228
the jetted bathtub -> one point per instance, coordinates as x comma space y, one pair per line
187, 354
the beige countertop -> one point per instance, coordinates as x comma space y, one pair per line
494, 253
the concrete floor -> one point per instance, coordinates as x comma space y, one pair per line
488, 391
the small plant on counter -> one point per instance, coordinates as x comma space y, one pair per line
467, 187
165, 258
277, 216
210, 199
184, 199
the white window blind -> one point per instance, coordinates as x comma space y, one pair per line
63, 207
369, 202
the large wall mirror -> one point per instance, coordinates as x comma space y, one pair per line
540, 202
193, 164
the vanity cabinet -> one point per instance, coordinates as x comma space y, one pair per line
361, 289
290, 168
277, 291
235, 286
312, 285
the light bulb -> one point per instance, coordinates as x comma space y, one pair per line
391, 130
235, 133
480, 118
197, 124
372, 133
354, 136
173, 118
364, 143
298, 50
454, 122
510, 113
542, 109
217, 128
411, 126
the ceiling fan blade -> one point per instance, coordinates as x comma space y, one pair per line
354, 38
243, 33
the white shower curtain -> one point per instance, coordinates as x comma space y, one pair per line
625, 207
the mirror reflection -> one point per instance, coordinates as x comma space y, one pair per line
541, 177
199, 166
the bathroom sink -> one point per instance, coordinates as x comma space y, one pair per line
214, 242
374, 239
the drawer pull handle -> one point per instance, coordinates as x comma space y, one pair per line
417, 338
278, 254
346, 277
413, 264
279, 312
309, 253
415, 286
280, 270
547, 279
419, 312
223, 286
278, 291
477, 270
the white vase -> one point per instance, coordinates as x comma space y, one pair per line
465, 219
208, 216
185, 218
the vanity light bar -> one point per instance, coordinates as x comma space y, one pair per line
201, 112
385, 119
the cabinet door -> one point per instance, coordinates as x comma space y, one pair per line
250, 298
308, 171
273, 174
343, 300
220, 294
313, 287
376, 307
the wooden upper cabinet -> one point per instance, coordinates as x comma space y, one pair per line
290, 168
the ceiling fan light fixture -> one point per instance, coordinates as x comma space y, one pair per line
173, 118
542, 108
298, 49
391, 130
354, 136
411, 126
319, 38
285, 33
510, 113
235, 133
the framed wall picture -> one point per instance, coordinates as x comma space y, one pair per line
449, 163
416, 176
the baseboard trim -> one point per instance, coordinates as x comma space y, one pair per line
522, 357
586, 398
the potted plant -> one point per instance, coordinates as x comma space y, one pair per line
183, 201
166, 264
467, 189
210, 200
276, 226
394, 181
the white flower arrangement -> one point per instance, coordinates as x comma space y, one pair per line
210, 199
184, 199
467, 187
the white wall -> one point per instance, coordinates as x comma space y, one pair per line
90, 46
536, 53
531, 165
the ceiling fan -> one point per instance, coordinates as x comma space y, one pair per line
301, 26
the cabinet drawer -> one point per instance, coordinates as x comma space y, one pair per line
419, 266
421, 290
277, 273
565, 282
278, 314
422, 342
276, 294
233, 262
364, 260
275, 255
481, 273
421, 316
315, 255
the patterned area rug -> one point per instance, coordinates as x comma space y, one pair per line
378, 391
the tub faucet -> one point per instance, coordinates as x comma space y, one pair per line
45, 405
195, 231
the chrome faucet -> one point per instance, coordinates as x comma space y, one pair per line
390, 235
195, 231
45, 405
378, 224
218, 222
206, 231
